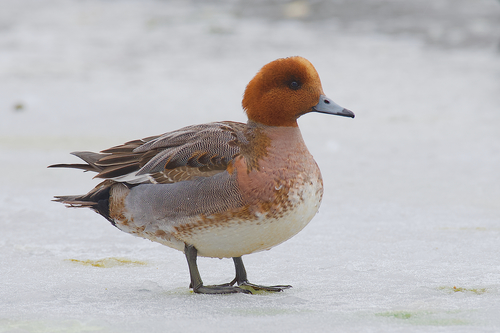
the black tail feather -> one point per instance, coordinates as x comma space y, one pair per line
97, 199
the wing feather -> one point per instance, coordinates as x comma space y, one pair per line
190, 152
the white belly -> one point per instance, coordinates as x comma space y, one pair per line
242, 236
240, 231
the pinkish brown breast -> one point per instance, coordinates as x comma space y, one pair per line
267, 195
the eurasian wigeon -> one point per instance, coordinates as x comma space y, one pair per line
222, 189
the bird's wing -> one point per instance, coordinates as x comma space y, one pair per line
193, 151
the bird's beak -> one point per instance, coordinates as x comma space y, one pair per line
326, 105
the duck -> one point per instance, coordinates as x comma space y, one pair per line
221, 189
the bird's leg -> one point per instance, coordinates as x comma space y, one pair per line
242, 280
196, 282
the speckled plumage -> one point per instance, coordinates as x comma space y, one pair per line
283, 192
221, 189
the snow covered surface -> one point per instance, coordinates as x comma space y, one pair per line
408, 235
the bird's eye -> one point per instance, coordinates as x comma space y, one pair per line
294, 85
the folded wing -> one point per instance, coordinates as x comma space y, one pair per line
190, 152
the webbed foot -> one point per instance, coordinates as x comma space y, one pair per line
264, 288
222, 289
242, 281
228, 288
197, 283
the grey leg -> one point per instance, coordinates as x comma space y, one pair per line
242, 280
196, 282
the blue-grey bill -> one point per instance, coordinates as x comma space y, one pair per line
326, 105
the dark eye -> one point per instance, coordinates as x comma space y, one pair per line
294, 85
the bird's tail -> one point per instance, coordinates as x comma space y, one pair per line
98, 198
87, 156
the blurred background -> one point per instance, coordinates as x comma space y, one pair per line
78, 56
412, 184
421, 76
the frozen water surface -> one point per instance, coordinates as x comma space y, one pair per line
408, 235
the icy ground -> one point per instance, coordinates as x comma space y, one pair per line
408, 235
